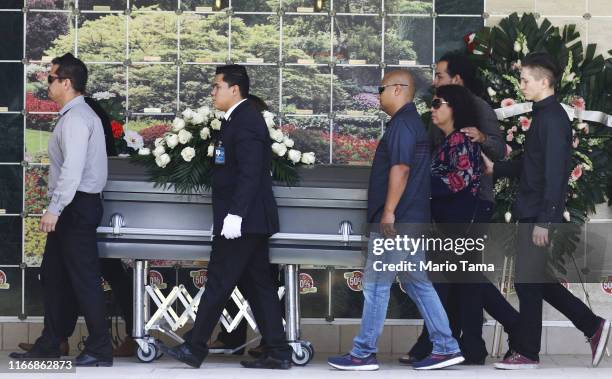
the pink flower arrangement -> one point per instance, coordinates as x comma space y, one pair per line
507, 102
510, 136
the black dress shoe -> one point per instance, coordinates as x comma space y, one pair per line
473, 362
86, 360
408, 359
36, 352
184, 353
269, 363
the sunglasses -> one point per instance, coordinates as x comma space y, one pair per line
51, 79
381, 89
437, 103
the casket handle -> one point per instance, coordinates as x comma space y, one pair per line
346, 229
117, 222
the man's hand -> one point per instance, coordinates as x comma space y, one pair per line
474, 134
231, 226
488, 164
48, 222
540, 236
386, 224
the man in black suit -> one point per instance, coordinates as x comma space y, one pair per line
245, 216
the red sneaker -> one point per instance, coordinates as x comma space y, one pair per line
516, 362
599, 340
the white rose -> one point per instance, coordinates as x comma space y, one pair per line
279, 149
144, 151
308, 158
491, 92
178, 124
294, 155
517, 46
525, 49
184, 136
159, 142
288, 142
162, 160
205, 112
276, 135
198, 119
172, 140
159, 150
211, 151
215, 124
188, 114
566, 215
508, 216
205, 133
188, 153
269, 118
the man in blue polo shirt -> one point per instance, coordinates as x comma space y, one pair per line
398, 196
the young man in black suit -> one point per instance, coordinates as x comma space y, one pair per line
245, 216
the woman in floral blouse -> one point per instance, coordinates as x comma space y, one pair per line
456, 164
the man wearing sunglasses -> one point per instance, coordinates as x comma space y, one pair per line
70, 269
398, 200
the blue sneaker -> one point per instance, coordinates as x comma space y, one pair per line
349, 362
436, 361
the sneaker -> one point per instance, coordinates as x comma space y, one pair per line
437, 361
516, 362
599, 340
349, 362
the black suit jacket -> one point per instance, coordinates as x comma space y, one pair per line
243, 185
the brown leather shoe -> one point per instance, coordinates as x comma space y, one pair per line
64, 347
126, 349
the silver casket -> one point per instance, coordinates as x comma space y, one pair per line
322, 222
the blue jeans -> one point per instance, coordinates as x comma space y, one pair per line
376, 289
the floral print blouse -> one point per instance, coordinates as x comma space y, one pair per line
456, 166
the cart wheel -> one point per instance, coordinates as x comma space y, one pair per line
305, 357
150, 356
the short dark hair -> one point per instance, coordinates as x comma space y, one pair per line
235, 75
459, 99
74, 69
458, 63
545, 65
258, 103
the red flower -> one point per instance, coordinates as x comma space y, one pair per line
456, 139
469, 41
455, 182
117, 129
463, 163
576, 172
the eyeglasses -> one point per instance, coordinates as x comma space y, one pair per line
437, 103
51, 79
381, 89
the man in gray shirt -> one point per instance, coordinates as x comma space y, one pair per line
77, 174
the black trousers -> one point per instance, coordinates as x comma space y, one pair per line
238, 336
531, 262
120, 280
245, 260
70, 275
464, 302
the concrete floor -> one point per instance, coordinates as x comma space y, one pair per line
227, 367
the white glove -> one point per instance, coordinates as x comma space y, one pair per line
231, 226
